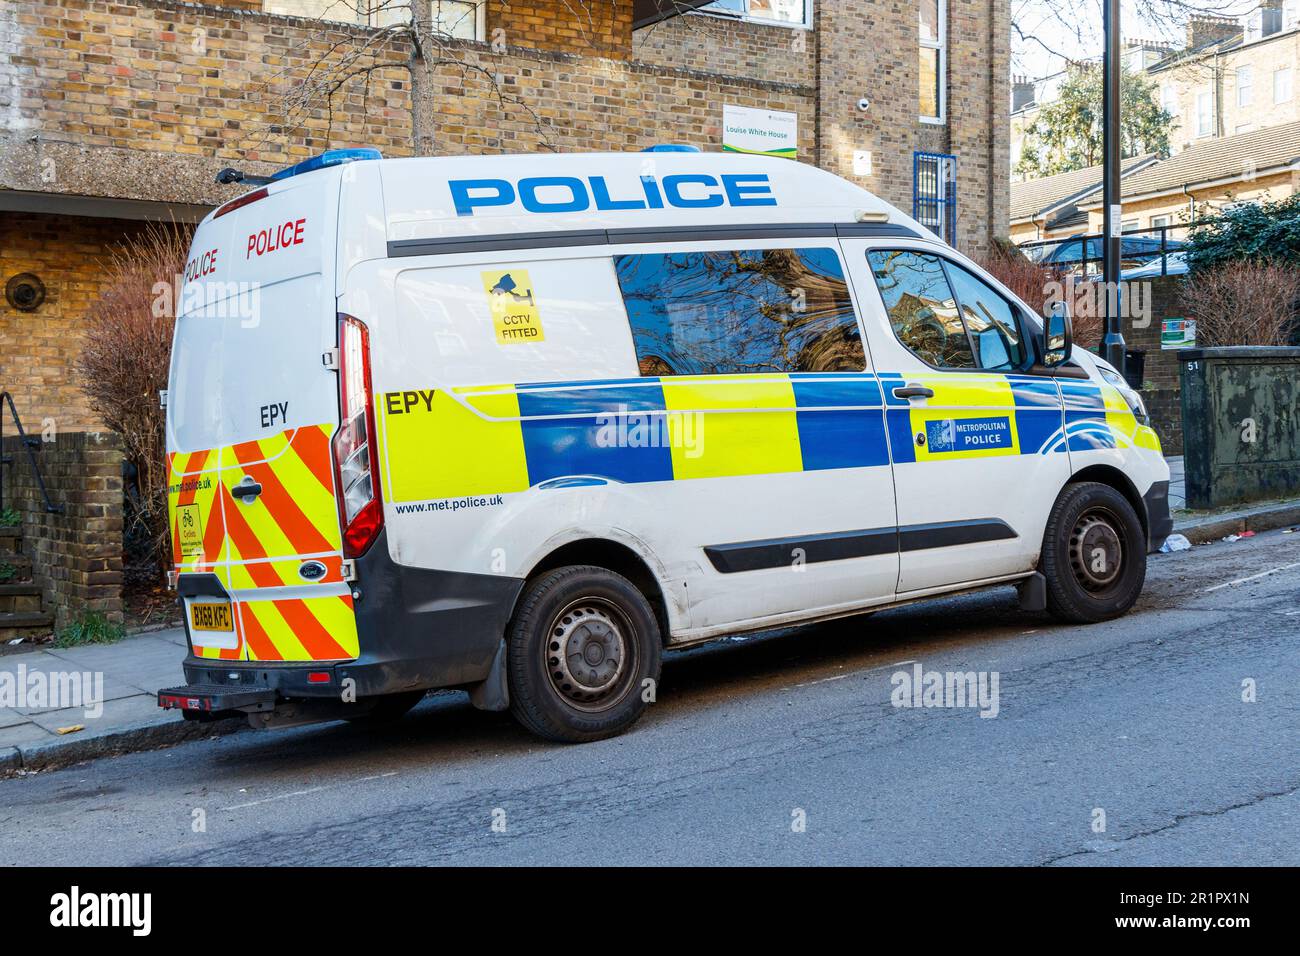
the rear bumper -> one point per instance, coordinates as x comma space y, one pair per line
418, 629
1160, 523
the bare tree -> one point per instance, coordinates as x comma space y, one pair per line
1243, 302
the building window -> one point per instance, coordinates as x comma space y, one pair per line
785, 12
1130, 225
1159, 222
1204, 113
459, 19
1169, 99
740, 312
1245, 82
1282, 85
933, 60
934, 193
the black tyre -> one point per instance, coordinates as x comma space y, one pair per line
387, 709
1094, 554
583, 643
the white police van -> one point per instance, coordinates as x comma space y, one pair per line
515, 424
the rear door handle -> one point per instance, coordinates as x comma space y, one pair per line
247, 490
913, 391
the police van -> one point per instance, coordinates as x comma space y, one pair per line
516, 424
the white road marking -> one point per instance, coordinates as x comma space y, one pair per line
303, 793
1253, 577
827, 680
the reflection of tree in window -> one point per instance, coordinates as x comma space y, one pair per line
760, 310
922, 308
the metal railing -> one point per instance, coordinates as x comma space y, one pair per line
29, 444
1060, 253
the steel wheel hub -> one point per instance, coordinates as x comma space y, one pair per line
1096, 552
586, 653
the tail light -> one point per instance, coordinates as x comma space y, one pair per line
355, 460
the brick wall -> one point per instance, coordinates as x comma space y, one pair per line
756, 51
592, 28
195, 79
76, 556
565, 102
876, 56
1160, 387
39, 349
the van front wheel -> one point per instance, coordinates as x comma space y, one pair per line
583, 652
1094, 554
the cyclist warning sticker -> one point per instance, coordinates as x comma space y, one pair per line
190, 524
514, 307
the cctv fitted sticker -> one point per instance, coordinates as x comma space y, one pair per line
514, 306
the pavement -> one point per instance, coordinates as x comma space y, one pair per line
133, 670
112, 688
1165, 737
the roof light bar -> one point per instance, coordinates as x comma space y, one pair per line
331, 157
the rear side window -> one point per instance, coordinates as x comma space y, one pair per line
740, 311
946, 316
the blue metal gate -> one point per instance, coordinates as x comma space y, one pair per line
934, 193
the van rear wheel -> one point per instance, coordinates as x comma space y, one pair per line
1094, 554
580, 651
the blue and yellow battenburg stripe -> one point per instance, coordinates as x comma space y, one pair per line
508, 438
1097, 417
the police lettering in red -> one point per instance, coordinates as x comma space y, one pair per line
200, 266
276, 237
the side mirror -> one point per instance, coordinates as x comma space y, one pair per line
1058, 336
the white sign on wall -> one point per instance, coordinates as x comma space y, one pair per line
768, 132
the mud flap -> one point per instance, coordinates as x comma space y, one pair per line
493, 693
1033, 593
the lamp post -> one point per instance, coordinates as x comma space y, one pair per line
1112, 343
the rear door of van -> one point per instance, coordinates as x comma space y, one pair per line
252, 409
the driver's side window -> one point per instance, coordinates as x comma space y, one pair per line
944, 315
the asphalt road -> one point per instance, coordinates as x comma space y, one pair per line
1141, 719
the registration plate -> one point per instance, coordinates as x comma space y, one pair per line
211, 617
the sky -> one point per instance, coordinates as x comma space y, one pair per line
1058, 29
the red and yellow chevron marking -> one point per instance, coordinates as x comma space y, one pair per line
264, 543
194, 510
300, 629
293, 519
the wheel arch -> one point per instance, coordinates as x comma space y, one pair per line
1110, 475
613, 556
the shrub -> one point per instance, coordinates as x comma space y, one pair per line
123, 366
1266, 230
1039, 286
89, 627
10, 518
1242, 302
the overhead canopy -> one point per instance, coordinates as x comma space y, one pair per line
646, 12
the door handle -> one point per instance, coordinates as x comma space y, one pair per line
247, 490
913, 391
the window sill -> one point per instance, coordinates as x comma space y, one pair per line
736, 18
